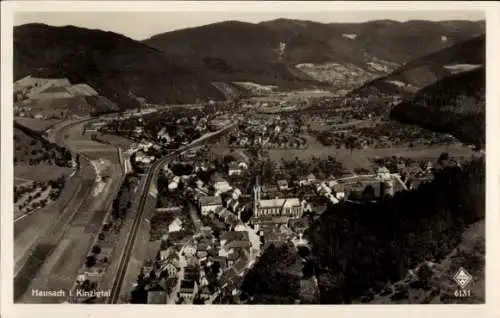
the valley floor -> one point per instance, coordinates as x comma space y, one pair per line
358, 158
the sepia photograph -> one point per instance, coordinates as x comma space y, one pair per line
240, 157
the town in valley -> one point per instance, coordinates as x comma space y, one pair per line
278, 162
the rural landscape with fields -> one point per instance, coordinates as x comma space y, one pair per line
279, 161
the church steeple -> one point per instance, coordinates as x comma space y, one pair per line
256, 196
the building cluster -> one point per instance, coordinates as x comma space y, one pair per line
223, 248
204, 265
267, 133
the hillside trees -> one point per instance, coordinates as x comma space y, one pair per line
373, 244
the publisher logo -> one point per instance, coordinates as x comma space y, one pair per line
462, 278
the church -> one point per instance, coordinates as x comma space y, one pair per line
289, 207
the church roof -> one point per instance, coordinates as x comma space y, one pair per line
278, 203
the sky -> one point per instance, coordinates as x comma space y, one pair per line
142, 25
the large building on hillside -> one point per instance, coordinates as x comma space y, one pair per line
383, 183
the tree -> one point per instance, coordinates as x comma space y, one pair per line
424, 273
96, 249
90, 261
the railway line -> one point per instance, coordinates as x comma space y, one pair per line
152, 173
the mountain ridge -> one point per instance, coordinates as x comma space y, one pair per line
181, 66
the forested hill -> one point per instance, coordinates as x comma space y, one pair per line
361, 248
426, 70
456, 105
118, 67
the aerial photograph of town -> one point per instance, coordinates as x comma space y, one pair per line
238, 158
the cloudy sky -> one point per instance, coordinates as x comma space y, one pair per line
142, 25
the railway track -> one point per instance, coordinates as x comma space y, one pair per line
151, 175
129, 245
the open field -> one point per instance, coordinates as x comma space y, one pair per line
40, 172
18, 181
74, 139
60, 270
37, 124
362, 158
358, 158
115, 140
294, 95
49, 254
43, 246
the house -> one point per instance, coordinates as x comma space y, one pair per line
234, 169
282, 184
157, 297
138, 130
239, 244
189, 250
206, 230
339, 190
221, 260
168, 253
188, 289
269, 189
232, 204
231, 236
209, 204
202, 255
232, 220
331, 181
221, 185
233, 257
203, 281
175, 226
192, 272
205, 292
310, 178
241, 264
303, 181
171, 270
204, 244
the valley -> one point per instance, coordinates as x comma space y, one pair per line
250, 163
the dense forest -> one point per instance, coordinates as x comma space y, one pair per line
455, 105
363, 247
271, 281
358, 249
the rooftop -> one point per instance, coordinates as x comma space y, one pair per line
210, 200
238, 244
234, 166
278, 203
382, 170
187, 284
234, 236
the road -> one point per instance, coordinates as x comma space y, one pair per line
151, 174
